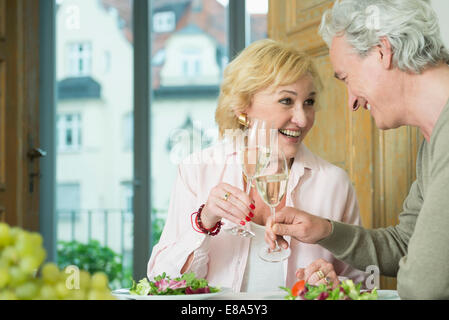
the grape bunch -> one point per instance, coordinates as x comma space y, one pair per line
23, 277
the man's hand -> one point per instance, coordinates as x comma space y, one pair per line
298, 224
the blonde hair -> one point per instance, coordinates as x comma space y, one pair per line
262, 64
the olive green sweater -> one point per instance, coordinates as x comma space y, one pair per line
417, 249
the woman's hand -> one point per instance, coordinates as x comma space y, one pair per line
229, 202
319, 272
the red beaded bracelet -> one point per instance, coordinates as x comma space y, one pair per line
211, 232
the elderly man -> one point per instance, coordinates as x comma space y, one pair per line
392, 59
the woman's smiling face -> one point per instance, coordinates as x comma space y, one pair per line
291, 110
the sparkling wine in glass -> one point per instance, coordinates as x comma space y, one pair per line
271, 183
252, 157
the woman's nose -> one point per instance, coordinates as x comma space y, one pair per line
299, 117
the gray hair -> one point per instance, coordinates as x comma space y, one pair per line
411, 27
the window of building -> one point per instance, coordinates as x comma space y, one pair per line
68, 202
69, 132
191, 63
128, 132
79, 59
164, 21
127, 196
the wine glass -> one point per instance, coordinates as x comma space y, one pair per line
252, 156
271, 183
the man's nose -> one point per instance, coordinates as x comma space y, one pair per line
354, 101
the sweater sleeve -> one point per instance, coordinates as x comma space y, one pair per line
382, 247
351, 216
178, 239
428, 254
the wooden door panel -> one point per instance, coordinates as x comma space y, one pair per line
2, 19
332, 114
19, 102
2, 125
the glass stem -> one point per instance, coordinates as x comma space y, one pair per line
273, 215
248, 185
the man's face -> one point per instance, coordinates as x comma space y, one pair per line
370, 86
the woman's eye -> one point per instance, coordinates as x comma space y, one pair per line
286, 101
309, 102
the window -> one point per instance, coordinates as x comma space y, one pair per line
79, 59
257, 11
69, 132
164, 21
128, 132
100, 127
127, 196
68, 203
68, 197
94, 131
191, 63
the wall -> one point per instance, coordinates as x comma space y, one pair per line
442, 9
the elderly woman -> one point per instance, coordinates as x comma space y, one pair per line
277, 83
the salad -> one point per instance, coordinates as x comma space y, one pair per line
346, 290
164, 285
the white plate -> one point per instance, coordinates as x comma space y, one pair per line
123, 294
388, 295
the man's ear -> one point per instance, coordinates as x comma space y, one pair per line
385, 53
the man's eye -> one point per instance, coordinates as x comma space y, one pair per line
309, 102
286, 101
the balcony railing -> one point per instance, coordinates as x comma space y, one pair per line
113, 228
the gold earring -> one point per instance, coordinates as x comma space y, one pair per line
243, 119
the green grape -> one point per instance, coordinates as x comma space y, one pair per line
50, 273
29, 264
4, 277
27, 291
99, 281
36, 239
84, 280
21, 255
10, 255
76, 294
47, 292
96, 295
40, 255
18, 277
24, 245
14, 233
5, 236
7, 295
61, 290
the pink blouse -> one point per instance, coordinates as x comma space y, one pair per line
314, 185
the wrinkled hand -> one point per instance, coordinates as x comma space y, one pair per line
298, 224
237, 208
311, 273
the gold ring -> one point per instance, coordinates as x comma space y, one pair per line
226, 196
320, 274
